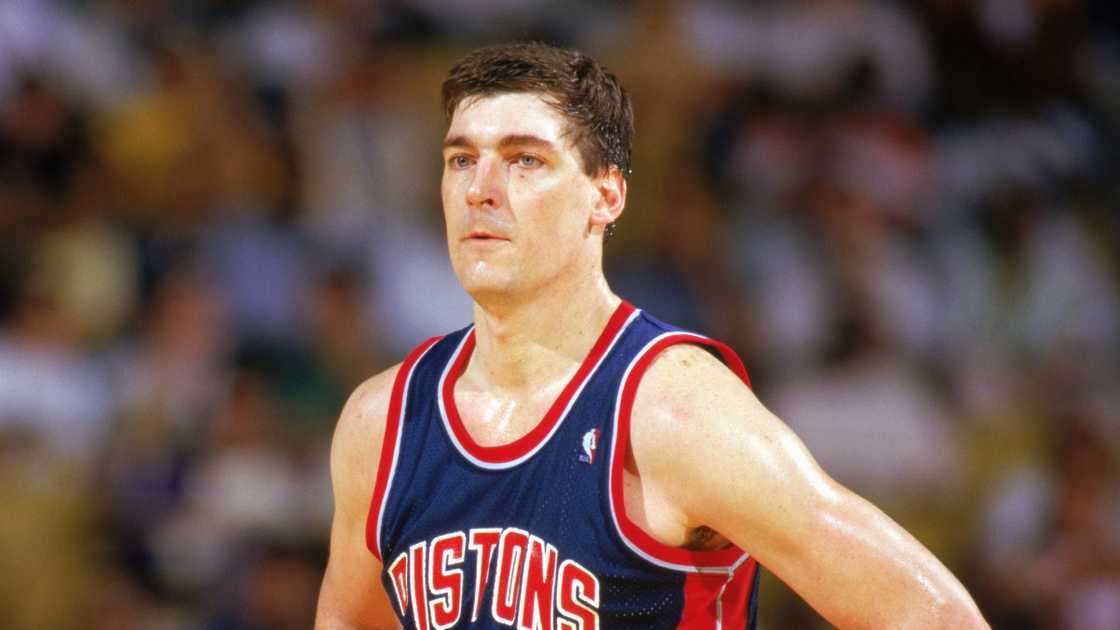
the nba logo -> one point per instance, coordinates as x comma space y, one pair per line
590, 443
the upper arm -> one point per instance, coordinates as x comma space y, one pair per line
352, 595
702, 440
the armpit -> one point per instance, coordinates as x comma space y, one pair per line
704, 538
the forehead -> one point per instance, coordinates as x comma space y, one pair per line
486, 119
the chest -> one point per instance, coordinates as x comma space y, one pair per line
498, 420
493, 420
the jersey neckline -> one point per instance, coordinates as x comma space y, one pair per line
515, 452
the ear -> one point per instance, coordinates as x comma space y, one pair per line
610, 198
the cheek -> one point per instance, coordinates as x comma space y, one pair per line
447, 186
453, 201
557, 210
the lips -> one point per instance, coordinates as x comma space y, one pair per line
483, 235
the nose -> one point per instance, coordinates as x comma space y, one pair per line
487, 188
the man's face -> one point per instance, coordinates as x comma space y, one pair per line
517, 202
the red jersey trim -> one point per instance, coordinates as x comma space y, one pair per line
717, 601
516, 452
390, 447
722, 561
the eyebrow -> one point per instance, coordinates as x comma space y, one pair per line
517, 139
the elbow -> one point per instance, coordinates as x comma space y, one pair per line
948, 608
963, 615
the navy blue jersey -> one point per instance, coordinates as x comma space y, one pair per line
534, 533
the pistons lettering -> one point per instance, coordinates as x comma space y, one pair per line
530, 588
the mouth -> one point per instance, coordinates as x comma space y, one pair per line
481, 235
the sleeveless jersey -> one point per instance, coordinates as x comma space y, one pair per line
534, 534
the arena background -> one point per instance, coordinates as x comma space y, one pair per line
218, 216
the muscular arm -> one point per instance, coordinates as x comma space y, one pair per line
352, 595
707, 446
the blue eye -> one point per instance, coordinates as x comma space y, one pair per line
460, 161
528, 161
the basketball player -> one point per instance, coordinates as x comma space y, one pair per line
570, 462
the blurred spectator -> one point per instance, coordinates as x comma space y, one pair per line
47, 385
277, 588
1051, 550
243, 485
867, 398
48, 561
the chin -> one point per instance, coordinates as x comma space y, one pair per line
487, 285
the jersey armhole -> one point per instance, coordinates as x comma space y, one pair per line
723, 561
390, 447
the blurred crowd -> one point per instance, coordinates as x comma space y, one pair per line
219, 216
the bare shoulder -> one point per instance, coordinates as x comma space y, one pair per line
695, 423
687, 368
350, 596
356, 446
682, 388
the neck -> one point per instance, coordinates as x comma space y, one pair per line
528, 343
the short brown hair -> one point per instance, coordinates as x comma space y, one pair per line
594, 102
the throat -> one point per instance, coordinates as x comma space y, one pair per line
494, 419
521, 350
